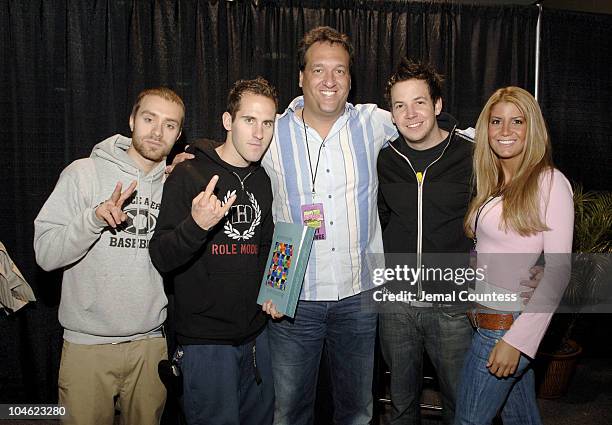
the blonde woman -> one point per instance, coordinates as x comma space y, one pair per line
522, 208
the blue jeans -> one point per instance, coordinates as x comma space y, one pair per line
349, 335
482, 395
220, 383
445, 333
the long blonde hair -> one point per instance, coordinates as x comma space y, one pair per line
521, 196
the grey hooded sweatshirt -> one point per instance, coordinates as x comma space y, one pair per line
111, 292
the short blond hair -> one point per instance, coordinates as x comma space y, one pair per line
164, 93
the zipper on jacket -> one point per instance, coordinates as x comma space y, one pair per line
420, 177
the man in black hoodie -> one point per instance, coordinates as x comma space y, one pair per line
424, 190
214, 243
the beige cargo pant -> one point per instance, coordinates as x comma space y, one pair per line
94, 380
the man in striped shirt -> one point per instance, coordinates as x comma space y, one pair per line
322, 163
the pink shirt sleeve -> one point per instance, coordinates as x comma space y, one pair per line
529, 329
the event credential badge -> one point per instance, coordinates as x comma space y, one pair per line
312, 216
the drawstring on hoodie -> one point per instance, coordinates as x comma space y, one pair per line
149, 210
147, 216
137, 212
242, 180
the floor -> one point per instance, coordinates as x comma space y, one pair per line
588, 401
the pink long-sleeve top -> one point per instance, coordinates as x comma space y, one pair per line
521, 253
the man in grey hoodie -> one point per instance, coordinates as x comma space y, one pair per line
113, 304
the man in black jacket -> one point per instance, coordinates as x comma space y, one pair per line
214, 243
424, 190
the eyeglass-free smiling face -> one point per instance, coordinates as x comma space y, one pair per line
507, 132
414, 113
325, 80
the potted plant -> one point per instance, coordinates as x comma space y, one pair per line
591, 264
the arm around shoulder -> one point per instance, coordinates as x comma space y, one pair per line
383, 118
177, 236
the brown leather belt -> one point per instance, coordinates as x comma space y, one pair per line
491, 321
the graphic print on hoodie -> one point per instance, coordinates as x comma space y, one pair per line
110, 290
216, 273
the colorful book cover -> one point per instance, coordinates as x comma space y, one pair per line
286, 265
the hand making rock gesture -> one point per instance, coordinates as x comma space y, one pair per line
206, 209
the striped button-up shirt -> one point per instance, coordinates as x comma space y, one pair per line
346, 183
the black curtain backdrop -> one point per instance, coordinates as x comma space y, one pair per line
70, 70
576, 94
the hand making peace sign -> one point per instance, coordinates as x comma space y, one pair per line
111, 209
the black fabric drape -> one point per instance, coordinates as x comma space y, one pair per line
69, 72
575, 93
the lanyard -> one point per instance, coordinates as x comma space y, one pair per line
313, 176
478, 215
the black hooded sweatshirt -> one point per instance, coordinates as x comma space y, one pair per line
216, 273
426, 216
423, 197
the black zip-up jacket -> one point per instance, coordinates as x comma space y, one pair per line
426, 216
216, 273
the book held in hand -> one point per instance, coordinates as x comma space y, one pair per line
286, 265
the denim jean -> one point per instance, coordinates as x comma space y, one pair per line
348, 335
482, 395
445, 333
220, 383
